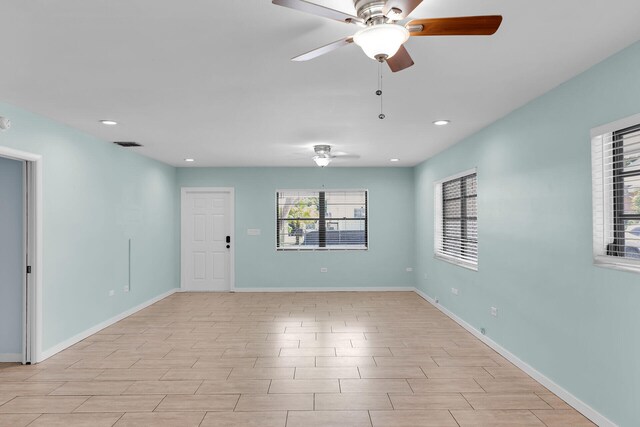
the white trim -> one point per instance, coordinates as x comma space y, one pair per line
614, 126
197, 291
318, 249
617, 263
36, 332
27, 228
10, 357
438, 209
232, 229
35, 302
456, 176
565, 395
602, 190
100, 326
331, 289
453, 260
18, 155
317, 190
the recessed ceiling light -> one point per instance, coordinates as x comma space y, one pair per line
441, 122
189, 160
108, 122
394, 160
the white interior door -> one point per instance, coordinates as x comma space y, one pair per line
207, 239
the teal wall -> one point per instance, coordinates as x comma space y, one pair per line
576, 323
258, 264
97, 196
11, 256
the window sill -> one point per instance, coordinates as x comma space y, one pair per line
617, 264
318, 249
451, 260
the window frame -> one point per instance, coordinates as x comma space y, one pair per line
322, 221
619, 216
439, 218
608, 213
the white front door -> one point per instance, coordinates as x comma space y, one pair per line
207, 239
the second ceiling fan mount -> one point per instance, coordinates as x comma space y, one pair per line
384, 34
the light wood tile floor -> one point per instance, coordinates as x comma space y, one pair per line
269, 359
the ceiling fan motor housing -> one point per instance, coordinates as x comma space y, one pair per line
370, 11
322, 149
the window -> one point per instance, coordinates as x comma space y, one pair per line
616, 195
321, 219
456, 219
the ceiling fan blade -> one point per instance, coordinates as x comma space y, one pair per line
405, 7
459, 26
324, 49
316, 9
400, 60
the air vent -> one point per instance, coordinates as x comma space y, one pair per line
127, 144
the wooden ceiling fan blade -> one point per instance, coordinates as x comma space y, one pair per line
400, 9
459, 26
400, 61
316, 9
323, 50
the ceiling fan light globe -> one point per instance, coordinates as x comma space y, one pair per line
382, 40
322, 161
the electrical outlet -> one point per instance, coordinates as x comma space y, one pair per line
455, 291
323, 269
425, 276
494, 312
112, 293
409, 269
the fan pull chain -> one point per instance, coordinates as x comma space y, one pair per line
381, 116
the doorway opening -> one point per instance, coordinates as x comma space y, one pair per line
20, 256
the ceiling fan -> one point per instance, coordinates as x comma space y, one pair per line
383, 33
323, 155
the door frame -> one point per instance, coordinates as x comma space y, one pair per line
32, 287
183, 224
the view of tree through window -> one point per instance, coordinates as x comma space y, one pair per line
331, 219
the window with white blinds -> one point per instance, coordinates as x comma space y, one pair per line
456, 219
616, 196
322, 219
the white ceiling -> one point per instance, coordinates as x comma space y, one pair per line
211, 79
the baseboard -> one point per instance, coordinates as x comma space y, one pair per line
100, 326
572, 400
331, 289
10, 357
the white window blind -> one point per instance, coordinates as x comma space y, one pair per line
456, 219
321, 219
616, 197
